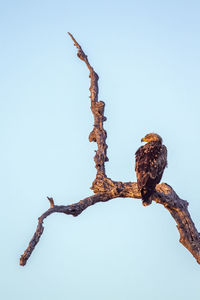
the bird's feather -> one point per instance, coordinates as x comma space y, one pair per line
151, 160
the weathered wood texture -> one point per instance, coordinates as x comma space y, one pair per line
106, 189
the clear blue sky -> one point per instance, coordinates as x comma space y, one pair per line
147, 55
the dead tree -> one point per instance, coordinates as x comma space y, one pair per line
106, 189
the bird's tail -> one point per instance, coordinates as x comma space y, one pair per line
146, 196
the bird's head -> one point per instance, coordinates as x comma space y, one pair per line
151, 137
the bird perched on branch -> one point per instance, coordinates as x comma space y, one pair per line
151, 160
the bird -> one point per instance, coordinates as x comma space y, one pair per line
150, 162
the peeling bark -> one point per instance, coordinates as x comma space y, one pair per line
106, 189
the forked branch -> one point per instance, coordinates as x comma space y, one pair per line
106, 189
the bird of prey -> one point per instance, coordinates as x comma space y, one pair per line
151, 160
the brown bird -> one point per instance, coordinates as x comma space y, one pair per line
151, 160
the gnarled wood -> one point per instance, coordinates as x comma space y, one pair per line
106, 189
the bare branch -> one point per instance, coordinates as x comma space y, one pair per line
74, 210
178, 208
98, 133
106, 189
164, 195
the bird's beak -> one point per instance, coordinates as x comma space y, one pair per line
143, 139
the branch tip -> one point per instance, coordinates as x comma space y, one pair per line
51, 202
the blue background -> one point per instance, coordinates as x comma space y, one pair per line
147, 54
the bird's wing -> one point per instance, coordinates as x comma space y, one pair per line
142, 166
150, 164
158, 163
